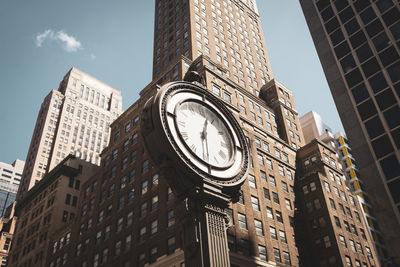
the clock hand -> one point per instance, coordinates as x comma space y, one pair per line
205, 137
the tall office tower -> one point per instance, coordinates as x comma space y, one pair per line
10, 177
358, 46
314, 128
46, 210
229, 32
128, 215
330, 230
74, 120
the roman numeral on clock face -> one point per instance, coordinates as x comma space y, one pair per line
182, 123
185, 135
193, 148
223, 144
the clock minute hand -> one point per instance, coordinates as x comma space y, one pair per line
204, 136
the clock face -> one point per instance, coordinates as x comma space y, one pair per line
204, 133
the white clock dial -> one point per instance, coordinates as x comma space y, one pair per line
204, 133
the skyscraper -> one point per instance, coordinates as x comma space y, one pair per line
228, 32
314, 128
74, 120
330, 230
10, 177
357, 42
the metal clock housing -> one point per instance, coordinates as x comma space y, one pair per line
187, 126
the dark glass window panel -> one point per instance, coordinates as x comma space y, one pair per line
389, 56
370, 67
357, 39
392, 117
394, 188
346, 14
384, 5
382, 146
348, 63
359, 5
396, 137
397, 88
364, 52
353, 77
391, 16
332, 25
378, 82
352, 26
360, 93
367, 109
381, 41
368, 15
322, 4
394, 72
385, 99
395, 29
342, 49
336, 37
374, 28
341, 4
327, 14
374, 127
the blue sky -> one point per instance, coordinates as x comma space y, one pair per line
41, 40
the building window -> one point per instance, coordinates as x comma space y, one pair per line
134, 138
269, 164
277, 255
288, 204
266, 193
272, 180
143, 209
171, 245
275, 197
348, 261
153, 254
145, 166
272, 231
342, 241
255, 203
170, 218
154, 227
227, 97
252, 181
262, 251
259, 227
142, 234
154, 202
282, 236
144, 187
242, 221
286, 258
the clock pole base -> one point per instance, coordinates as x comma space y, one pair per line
204, 223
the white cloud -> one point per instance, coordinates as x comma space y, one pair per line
93, 56
68, 42
42, 36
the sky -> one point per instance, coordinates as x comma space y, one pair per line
42, 39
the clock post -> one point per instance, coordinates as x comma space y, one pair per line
204, 222
202, 153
